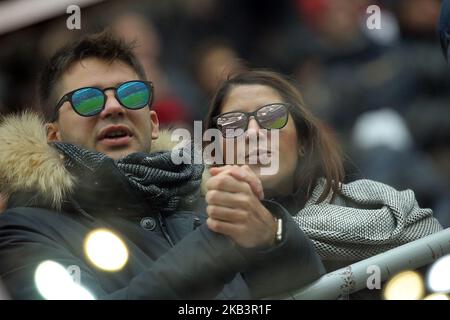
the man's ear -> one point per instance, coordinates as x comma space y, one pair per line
155, 124
3, 202
53, 133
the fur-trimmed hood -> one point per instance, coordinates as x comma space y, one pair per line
29, 164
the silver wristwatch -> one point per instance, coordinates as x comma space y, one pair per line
279, 235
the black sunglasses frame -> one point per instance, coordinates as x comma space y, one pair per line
254, 115
68, 97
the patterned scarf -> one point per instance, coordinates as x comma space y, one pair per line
153, 176
368, 218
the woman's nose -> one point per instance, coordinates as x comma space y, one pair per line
253, 125
254, 131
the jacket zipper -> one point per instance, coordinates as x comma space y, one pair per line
164, 230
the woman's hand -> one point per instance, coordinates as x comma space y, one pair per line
234, 207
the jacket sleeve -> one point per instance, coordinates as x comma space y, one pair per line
286, 266
196, 268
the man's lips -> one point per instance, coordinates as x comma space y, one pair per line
115, 136
116, 142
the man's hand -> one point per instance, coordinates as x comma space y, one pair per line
234, 207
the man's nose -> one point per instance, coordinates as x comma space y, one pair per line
112, 107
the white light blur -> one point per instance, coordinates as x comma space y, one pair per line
438, 278
436, 296
55, 283
407, 285
106, 250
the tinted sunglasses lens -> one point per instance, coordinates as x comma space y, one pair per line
134, 94
274, 116
232, 124
88, 101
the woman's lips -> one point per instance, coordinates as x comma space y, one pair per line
258, 153
258, 157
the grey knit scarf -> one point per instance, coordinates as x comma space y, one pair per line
152, 175
368, 218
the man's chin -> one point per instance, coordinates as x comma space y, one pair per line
117, 153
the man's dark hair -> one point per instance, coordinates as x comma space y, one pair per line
102, 45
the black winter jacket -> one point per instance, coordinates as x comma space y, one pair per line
171, 256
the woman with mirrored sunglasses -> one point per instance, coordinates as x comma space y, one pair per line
346, 222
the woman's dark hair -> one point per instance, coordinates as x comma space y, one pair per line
321, 155
103, 45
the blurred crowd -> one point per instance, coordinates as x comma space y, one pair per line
385, 92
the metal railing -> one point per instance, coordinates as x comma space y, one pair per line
340, 283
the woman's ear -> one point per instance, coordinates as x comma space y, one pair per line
301, 150
53, 132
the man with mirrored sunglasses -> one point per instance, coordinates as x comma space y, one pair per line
99, 162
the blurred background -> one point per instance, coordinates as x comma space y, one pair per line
385, 92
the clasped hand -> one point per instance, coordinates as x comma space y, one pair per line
234, 207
